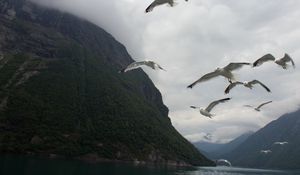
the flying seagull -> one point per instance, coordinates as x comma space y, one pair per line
159, 2
263, 59
246, 84
265, 151
225, 72
280, 143
283, 61
258, 108
136, 65
208, 136
206, 111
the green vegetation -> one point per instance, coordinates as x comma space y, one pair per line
75, 102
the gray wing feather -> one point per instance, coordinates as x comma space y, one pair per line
264, 104
235, 66
287, 58
232, 85
205, 78
151, 6
263, 59
214, 103
258, 82
134, 65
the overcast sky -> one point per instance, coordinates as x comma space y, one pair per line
194, 38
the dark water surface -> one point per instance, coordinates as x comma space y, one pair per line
25, 165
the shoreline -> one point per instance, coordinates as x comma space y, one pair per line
94, 159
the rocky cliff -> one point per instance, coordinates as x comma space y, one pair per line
61, 93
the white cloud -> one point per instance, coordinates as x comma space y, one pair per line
195, 37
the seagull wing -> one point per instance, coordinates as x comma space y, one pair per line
152, 5
232, 85
263, 59
263, 104
194, 107
134, 65
235, 66
161, 67
214, 103
154, 65
205, 78
258, 82
249, 106
287, 58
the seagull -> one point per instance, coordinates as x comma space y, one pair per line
159, 2
208, 136
263, 59
280, 143
282, 62
206, 112
223, 162
258, 108
136, 65
265, 151
225, 72
246, 84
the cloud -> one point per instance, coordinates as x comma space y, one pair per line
194, 38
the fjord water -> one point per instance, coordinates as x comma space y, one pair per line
25, 165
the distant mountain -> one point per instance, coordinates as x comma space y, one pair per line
208, 147
217, 150
61, 93
286, 128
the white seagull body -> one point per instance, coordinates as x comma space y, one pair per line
265, 151
136, 65
206, 111
159, 2
283, 61
258, 108
225, 72
280, 143
246, 84
263, 59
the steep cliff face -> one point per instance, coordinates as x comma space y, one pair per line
286, 128
61, 93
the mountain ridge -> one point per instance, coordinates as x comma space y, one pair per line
218, 150
285, 128
61, 93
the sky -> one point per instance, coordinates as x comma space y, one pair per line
194, 38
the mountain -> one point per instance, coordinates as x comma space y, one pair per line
208, 147
286, 128
218, 150
61, 93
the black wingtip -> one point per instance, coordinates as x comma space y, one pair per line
254, 64
148, 9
